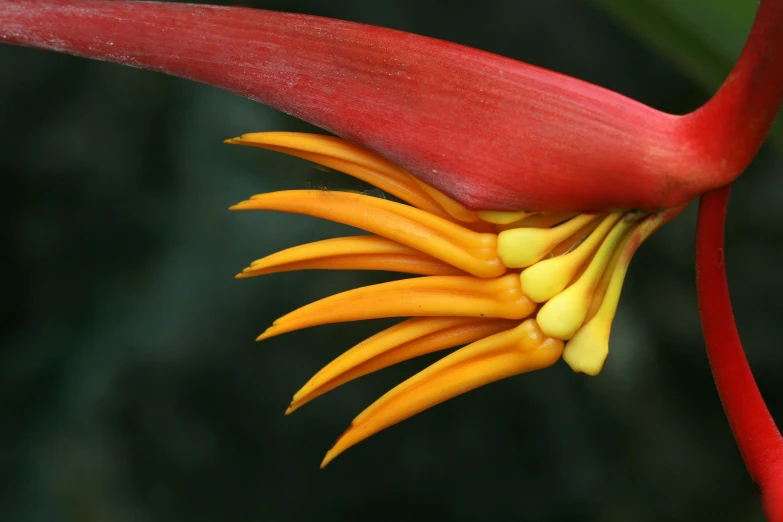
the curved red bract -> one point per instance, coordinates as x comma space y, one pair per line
491, 132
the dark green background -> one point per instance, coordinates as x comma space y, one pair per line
130, 385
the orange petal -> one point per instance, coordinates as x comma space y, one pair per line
473, 252
522, 349
351, 253
418, 296
338, 154
406, 340
454, 208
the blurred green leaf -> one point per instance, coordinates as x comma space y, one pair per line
702, 37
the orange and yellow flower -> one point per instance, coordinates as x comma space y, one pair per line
520, 289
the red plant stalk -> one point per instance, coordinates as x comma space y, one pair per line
754, 429
741, 113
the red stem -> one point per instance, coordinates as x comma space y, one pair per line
730, 128
754, 429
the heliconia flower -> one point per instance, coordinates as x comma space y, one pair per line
514, 285
521, 194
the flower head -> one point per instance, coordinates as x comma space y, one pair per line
520, 289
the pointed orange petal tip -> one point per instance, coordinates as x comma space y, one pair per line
442, 239
411, 338
350, 253
504, 354
491, 132
361, 163
499, 298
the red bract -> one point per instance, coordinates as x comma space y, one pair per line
491, 132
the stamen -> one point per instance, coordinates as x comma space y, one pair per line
522, 349
351, 253
465, 249
455, 209
564, 314
406, 340
588, 349
522, 247
420, 296
549, 277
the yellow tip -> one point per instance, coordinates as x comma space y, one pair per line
588, 349
289, 410
547, 278
562, 315
522, 247
586, 352
565, 313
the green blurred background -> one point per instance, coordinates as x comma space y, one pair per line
130, 385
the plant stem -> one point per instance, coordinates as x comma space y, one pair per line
754, 429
